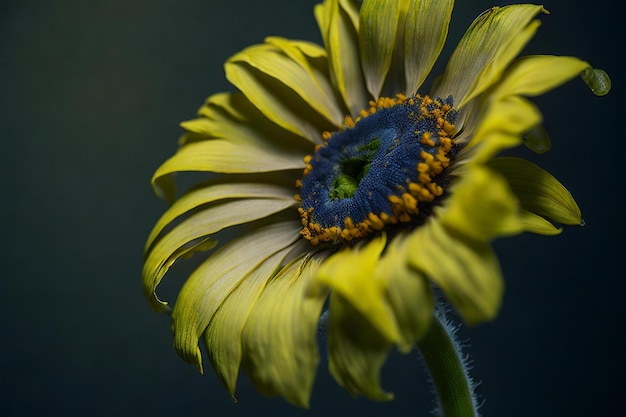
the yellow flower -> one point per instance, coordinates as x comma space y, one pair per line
343, 181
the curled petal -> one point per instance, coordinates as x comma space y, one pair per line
197, 228
220, 189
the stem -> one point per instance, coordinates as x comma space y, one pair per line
442, 356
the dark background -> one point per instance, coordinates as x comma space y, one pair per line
91, 94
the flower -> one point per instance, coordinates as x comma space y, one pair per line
346, 185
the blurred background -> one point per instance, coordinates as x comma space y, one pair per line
91, 94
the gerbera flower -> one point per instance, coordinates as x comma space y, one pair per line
350, 184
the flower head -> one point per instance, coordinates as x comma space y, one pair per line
345, 182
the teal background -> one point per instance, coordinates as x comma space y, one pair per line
91, 94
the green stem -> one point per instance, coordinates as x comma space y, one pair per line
453, 384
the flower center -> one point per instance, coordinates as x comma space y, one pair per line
381, 169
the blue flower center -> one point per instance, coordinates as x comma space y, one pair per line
382, 168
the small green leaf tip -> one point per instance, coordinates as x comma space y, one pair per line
597, 80
537, 140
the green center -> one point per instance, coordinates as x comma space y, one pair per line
353, 170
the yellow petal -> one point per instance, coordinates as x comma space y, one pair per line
208, 286
510, 114
220, 189
536, 224
232, 116
486, 49
232, 136
466, 270
378, 26
281, 90
237, 119
338, 21
198, 227
357, 351
224, 156
408, 293
538, 191
500, 128
395, 298
535, 75
481, 206
280, 353
424, 36
350, 273
222, 337
303, 67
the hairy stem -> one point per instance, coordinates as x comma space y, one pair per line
447, 367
